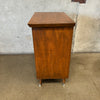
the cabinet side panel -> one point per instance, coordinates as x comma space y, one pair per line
52, 47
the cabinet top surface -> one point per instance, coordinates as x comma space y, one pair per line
50, 19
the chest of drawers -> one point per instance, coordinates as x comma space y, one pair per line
52, 37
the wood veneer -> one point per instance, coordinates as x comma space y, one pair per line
52, 37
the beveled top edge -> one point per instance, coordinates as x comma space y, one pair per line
50, 19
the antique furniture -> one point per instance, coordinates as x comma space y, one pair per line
52, 37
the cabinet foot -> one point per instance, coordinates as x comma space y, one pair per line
63, 85
40, 83
64, 82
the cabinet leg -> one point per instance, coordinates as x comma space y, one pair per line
40, 83
64, 82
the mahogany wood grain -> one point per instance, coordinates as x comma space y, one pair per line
52, 37
52, 48
50, 19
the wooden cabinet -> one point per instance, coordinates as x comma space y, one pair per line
52, 37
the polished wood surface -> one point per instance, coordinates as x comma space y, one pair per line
52, 47
50, 19
52, 37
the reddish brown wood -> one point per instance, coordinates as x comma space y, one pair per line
52, 44
40, 82
50, 19
80, 1
64, 81
52, 47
